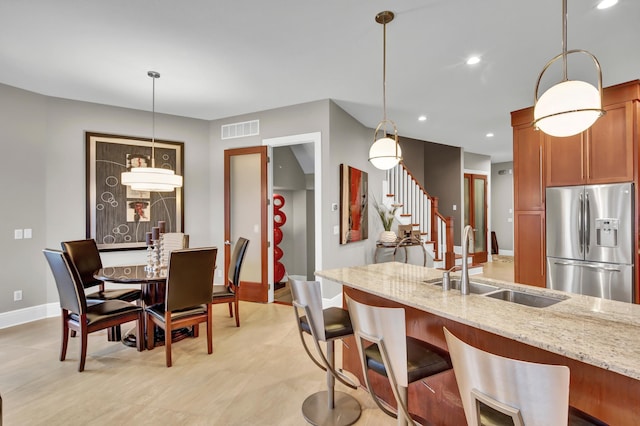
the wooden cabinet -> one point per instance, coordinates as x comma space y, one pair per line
601, 154
610, 146
529, 248
605, 153
528, 167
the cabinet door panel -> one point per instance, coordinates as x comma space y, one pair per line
529, 247
527, 164
610, 139
564, 160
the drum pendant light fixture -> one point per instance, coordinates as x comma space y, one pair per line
571, 106
152, 179
385, 153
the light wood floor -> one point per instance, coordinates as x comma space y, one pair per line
257, 374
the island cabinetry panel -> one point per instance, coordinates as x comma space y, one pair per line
608, 396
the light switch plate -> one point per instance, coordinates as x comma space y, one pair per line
17, 234
27, 233
336, 230
455, 207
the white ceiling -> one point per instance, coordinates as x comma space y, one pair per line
220, 58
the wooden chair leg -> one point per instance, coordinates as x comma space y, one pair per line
83, 347
231, 309
237, 313
151, 338
196, 330
167, 338
73, 333
209, 330
65, 337
141, 337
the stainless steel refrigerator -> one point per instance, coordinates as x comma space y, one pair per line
590, 247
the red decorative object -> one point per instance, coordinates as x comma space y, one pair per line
279, 219
277, 253
278, 272
277, 235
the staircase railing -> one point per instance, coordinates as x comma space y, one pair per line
421, 210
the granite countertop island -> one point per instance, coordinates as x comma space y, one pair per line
599, 332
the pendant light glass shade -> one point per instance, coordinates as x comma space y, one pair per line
571, 106
152, 179
568, 108
385, 153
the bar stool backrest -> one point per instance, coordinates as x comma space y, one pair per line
532, 394
308, 297
386, 328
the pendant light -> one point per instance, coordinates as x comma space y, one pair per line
152, 179
385, 153
571, 106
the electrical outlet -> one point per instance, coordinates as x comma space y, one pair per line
17, 295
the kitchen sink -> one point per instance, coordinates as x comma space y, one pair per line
474, 287
522, 298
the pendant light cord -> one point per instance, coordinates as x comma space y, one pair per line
564, 40
153, 75
384, 72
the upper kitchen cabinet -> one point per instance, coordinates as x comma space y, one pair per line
601, 154
527, 163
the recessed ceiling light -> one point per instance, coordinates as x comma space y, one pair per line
473, 60
422, 118
489, 135
604, 4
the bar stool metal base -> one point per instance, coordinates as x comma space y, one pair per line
316, 411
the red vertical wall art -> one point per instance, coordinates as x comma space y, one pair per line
279, 219
354, 214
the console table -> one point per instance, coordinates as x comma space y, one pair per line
401, 243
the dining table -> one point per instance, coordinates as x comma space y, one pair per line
153, 284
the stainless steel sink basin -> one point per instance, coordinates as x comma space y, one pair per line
474, 287
522, 298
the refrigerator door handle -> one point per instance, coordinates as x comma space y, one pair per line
583, 265
581, 225
587, 225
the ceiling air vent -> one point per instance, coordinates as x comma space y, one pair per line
240, 130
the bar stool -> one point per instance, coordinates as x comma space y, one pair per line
393, 354
499, 390
325, 407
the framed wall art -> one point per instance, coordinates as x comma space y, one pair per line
354, 202
118, 217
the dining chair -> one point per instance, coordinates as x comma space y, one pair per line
83, 318
391, 353
187, 298
85, 256
230, 292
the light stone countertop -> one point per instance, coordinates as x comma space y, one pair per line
596, 331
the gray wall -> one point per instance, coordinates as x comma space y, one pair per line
502, 204
43, 177
443, 179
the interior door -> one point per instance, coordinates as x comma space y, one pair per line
475, 197
245, 215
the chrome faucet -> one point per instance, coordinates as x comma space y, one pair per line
464, 279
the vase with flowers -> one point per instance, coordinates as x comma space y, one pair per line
387, 214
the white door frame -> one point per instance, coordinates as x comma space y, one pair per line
316, 139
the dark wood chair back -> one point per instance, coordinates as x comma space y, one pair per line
85, 256
237, 258
68, 281
190, 278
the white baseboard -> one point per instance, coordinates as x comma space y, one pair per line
505, 252
33, 313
